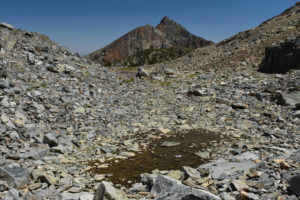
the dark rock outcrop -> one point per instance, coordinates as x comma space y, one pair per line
281, 57
295, 185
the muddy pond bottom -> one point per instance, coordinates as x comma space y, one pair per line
166, 153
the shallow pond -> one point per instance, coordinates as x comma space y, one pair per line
166, 153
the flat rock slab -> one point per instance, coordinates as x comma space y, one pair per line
5, 25
14, 176
77, 196
167, 188
109, 148
222, 169
169, 144
34, 153
246, 156
46, 194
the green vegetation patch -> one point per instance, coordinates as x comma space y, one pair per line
152, 56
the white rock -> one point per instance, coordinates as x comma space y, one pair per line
106, 189
3, 24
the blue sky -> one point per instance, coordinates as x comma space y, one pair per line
86, 25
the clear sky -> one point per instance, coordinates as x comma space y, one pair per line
86, 25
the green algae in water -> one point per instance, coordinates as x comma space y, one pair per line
160, 157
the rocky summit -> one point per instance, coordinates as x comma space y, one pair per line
168, 34
63, 118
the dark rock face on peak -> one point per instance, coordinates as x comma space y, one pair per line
167, 34
179, 36
166, 20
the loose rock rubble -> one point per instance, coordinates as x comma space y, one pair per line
60, 112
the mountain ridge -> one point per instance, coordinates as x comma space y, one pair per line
244, 47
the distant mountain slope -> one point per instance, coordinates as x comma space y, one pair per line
246, 48
167, 34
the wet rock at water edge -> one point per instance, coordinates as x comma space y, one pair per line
222, 169
191, 172
169, 144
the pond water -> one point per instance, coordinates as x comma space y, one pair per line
166, 153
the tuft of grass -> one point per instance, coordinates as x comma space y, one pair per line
166, 83
38, 49
125, 80
107, 64
152, 56
192, 75
128, 69
128, 80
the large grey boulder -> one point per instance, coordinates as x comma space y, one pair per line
167, 188
290, 99
14, 176
142, 72
281, 57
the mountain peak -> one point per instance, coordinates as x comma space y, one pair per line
165, 35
